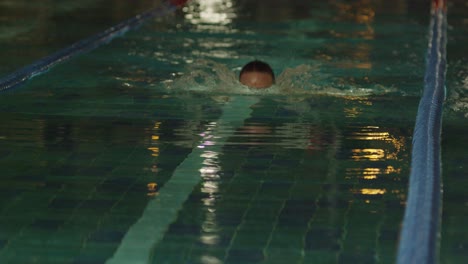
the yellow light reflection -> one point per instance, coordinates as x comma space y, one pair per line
368, 154
371, 135
352, 112
391, 169
371, 173
152, 189
154, 150
399, 144
355, 111
367, 191
154, 140
361, 15
359, 11
392, 150
354, 65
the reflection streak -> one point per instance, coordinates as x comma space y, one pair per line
210, 14
210, 175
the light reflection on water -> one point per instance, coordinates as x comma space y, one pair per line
318, 173
304, 133
210, 174
217, 13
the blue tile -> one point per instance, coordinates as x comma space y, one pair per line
61, 203
116, 184
63, 170
323, 239
96, 170
297, 212
4, 153
107, 236
89, 260
47, 224
3, 242
245, 256
183, 229
366, 257
9, 194
98, 204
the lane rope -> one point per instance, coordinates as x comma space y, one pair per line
86, 45
419, 237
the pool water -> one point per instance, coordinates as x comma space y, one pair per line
147, 150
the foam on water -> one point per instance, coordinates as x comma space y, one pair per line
457, 100
216, 79
206, 76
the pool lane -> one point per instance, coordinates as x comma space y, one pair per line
43, 65
138, 242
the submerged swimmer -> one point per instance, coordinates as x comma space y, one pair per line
257, 74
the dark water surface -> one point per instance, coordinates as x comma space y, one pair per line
153, 126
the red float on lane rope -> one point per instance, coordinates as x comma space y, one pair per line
178, 3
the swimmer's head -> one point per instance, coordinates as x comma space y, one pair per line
257, 74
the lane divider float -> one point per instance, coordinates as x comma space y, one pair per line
419, 237
86, 45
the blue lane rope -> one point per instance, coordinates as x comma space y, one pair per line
24, 74
419, 237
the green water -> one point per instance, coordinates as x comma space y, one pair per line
315, 175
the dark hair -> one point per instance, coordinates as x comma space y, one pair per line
257, 66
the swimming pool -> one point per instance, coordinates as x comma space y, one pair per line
146, 149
